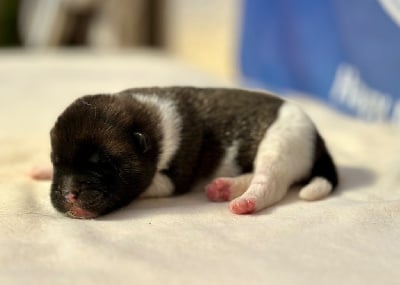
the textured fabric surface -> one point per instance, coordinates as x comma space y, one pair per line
352, 237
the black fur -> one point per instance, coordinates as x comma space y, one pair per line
323, 163
105, 126
212, 119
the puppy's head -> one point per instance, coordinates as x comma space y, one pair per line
104, 154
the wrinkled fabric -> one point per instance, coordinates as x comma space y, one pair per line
351, 237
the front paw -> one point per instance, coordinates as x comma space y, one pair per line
219, 190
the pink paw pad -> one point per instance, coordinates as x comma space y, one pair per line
243, 206
41, 173
218, 190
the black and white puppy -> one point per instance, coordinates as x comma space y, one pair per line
152, 142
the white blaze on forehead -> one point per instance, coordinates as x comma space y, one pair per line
170, 126
68, 184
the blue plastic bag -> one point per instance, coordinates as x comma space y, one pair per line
345, 52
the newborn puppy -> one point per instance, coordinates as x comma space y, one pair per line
151, 142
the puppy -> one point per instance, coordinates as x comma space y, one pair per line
251, 147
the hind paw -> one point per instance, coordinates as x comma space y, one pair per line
243, 206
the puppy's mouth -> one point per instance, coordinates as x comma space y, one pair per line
77, 212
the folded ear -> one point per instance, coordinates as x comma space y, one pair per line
141, 141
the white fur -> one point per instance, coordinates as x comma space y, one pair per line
170, 126
161, 186
69, 183
317, 189
285, 155
228, 166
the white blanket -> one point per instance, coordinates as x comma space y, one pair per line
352, 237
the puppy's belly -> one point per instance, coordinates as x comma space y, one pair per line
227, 167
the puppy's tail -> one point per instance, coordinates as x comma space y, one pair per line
324, 177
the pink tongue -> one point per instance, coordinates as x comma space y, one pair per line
80, 213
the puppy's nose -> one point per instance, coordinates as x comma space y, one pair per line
71, 196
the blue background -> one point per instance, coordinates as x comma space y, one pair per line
299, 45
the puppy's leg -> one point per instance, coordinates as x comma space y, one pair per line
41, 172
228, 188
284, 156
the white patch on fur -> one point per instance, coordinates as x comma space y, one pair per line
228, 166
317, 189
288, 145
161, 186
170, 124
68, 184
284, 156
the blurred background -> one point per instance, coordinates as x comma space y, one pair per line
344, 53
